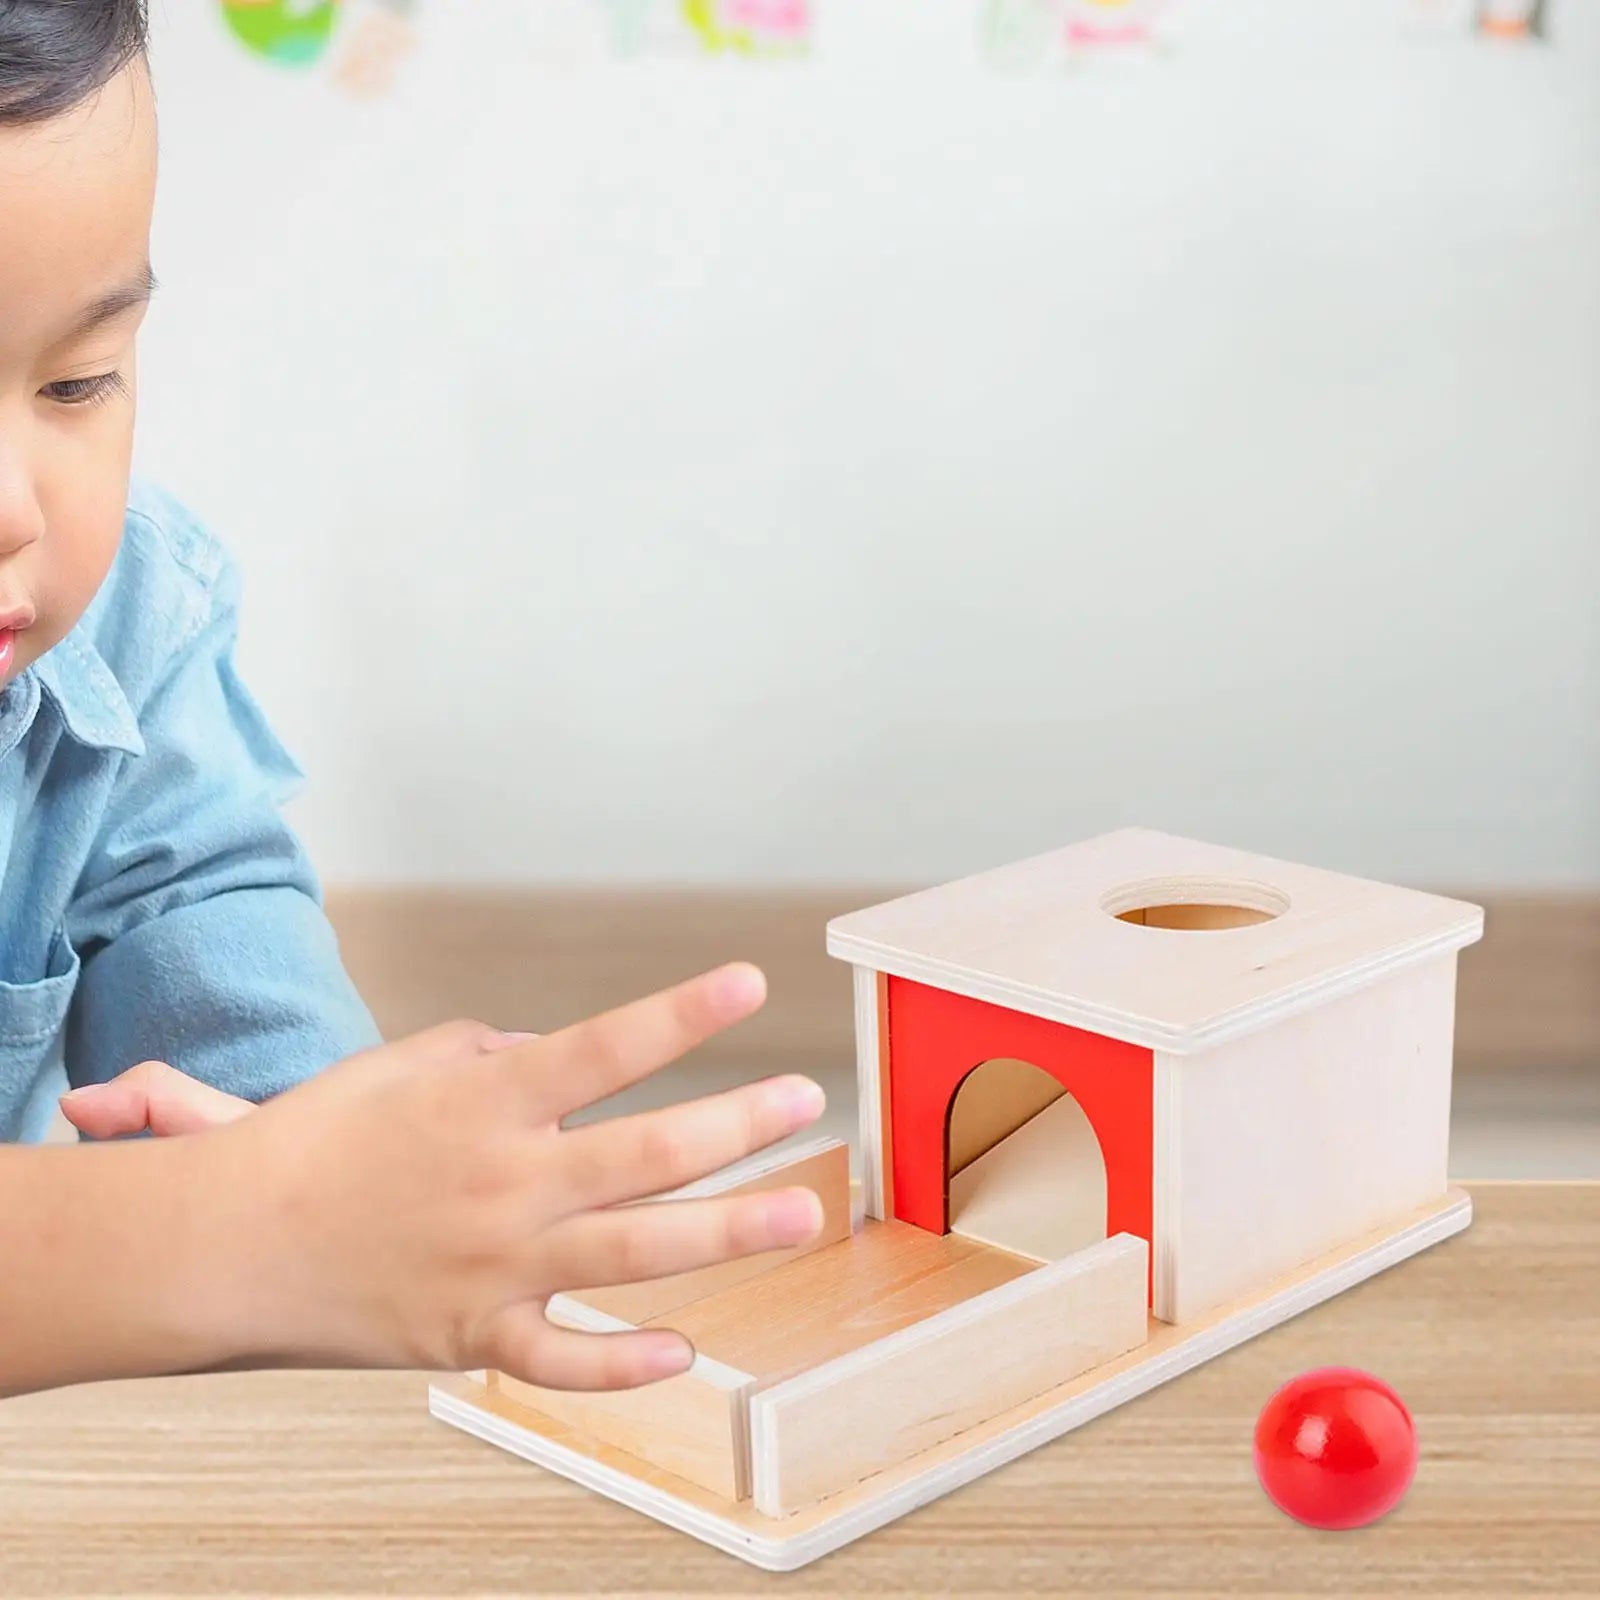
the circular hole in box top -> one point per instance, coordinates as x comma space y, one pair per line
1196, 905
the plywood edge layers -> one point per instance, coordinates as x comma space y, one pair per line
1166, 1185
1145, 1031
870, 1091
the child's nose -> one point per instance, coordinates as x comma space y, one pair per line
21, 515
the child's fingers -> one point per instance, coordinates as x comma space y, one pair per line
605, 1163
652, 1241
461, 1039
151, 1096
526, 1344
594, 1059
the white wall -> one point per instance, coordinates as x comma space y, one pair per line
883, 465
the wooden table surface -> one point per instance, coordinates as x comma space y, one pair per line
341, 1484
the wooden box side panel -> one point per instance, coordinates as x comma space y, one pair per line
684, 1425
839, 1423
1276, 1147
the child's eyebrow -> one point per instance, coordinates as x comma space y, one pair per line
135, 292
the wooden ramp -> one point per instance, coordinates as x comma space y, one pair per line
1040, 1192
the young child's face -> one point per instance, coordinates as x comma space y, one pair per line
76, 195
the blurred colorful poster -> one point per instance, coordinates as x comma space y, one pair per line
1509, 20
1512, 19
750, 26
372, 36
293, 33
1026, 33
739, 27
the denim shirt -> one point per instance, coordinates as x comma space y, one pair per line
153, 903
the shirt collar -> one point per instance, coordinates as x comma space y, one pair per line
87, 696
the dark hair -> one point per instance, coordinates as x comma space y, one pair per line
56, 53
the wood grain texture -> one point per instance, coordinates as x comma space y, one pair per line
855, 1416
806, 1535
833, 1301
825, 1171
297, 1484
691, 1428
1306, 1133
541, 958
1042, 936
1528, 992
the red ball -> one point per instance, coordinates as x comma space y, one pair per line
1335, 1448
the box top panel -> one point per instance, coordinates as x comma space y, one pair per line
1162, 941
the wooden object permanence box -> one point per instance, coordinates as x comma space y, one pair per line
1121, 1107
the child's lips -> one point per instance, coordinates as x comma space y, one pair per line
13, 621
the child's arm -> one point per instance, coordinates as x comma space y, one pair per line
414, 1206
108, 1263
198, 918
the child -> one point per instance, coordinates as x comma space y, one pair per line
162, 945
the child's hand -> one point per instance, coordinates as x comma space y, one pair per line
418, 1204
151, 1097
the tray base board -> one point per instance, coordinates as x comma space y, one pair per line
783, 1544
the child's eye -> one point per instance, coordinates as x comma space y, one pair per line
86, 391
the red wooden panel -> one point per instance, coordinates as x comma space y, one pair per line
937, 1038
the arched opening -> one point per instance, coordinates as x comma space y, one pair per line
935, 1037
1023, 1163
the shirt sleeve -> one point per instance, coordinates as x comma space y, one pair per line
199, 919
